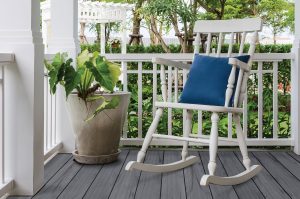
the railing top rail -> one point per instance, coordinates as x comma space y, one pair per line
188, 56
6, 58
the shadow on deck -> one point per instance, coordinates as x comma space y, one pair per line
65, 178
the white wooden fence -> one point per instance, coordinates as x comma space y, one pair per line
52, 143
6, 184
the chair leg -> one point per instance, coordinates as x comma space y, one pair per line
242, 142
213, 144
148, 138
186, 133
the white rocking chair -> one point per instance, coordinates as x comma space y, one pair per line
230, 27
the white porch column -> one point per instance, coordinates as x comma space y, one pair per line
102, 38
64, 38
24, 94
295, 82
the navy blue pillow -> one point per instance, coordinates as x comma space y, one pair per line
208, 79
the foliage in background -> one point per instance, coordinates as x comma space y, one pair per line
277, 14
284, 124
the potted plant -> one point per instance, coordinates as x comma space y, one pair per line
97, 112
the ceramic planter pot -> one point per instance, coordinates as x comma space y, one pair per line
97, 140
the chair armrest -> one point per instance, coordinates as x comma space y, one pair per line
168, 62
238, 63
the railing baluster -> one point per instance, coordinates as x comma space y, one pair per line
176, 85
2, 174
200, 123
169, 100
275, 100
245, 113
184, 112
51, 122
260, 100
124, 76
154, 88
125, 88
140, 99
54, 121
47, 116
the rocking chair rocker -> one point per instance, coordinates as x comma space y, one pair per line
234, 93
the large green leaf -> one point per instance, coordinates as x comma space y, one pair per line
115, 72
106, 104
101, 73
83, 57
72, 79
56, 70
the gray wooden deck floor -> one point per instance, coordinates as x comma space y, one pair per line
65, 178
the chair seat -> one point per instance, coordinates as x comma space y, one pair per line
218, 109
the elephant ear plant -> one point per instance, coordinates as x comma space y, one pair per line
93, 73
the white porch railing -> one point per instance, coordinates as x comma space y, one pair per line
6, 184
259, 71
51, 142
139, 71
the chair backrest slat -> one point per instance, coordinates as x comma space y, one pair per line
197, 43
231, 27
208, 44
244, 34
220, 44
230, 44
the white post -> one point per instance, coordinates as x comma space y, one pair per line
24, 94
124, 37
295, 82
102, 38
64, 38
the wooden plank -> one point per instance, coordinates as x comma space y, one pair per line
149, 186
173, 183
106, 179
127, 182
294, 155
55, 164
192, 177
233, 166
286, 180
265, 182
54, 187
218, 191
81, 182
288, 162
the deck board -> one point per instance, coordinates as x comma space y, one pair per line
233, 166
65, 178
81, 182
283, 177
149, 186
125, 187
265, 182
218, 191
55, 186
173, 186
106, 179
192, 177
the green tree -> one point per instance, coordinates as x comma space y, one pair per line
172, 13
276, 14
